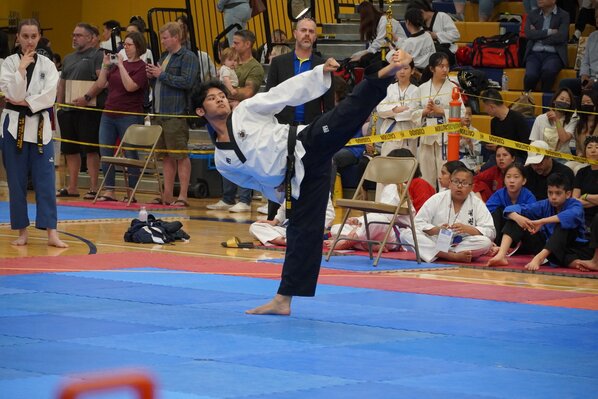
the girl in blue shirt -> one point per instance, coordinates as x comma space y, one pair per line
512, 193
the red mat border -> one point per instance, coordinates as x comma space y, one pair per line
386, 281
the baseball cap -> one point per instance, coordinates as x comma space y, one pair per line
533, 157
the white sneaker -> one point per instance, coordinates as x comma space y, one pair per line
263, 209
240, 207
220, 205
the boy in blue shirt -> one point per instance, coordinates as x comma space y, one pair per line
552, 228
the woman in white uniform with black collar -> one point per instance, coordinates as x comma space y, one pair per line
29, 80
434, 98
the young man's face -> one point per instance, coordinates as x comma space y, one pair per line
215, 105
557, 196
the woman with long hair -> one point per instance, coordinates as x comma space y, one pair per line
488, 181
29, 81
557, 126
372, 29
433, 98
400, 110
512, 193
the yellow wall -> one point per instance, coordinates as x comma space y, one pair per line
62, 15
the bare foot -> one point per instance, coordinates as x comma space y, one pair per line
22, 240
587, 265
493, 250
279, 305
498, 260
54, 241
464, 256
533, 265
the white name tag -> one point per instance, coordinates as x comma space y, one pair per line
445, 238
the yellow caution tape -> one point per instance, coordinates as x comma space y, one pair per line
457, 128
133, 148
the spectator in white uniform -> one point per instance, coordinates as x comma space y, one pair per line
458, 216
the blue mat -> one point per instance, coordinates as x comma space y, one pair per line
358, 263
190, 332
77, 213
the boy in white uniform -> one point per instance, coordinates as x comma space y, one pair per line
458, 215
255, 151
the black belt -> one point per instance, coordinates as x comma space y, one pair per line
233, 5
24, 112
291, 142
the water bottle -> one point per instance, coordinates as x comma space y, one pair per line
505, 82
142, 214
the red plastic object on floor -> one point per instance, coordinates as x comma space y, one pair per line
139, 381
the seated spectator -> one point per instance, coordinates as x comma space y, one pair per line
372, 28
585, 185
419, 189
587, 16
513, 193
400, 111
505, 123
355, 228
277, 50
557, 126
547, 32
588, 72
279, 38
552, 228
443, 30
420, 43
488, 181
486, 9
274, 232
586, 126
444, 179
537, 169
460, 217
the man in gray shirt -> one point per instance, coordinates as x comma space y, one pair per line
588, 73
83, 64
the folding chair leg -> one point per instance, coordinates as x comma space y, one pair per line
336, 238
367, 235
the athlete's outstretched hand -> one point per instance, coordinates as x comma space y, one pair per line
331, 65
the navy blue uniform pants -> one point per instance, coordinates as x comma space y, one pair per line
18, 165
322, 139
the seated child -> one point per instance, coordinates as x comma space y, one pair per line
457, 214
552, 228
488, 181
444, 180
469, 149
274, 232
511, 194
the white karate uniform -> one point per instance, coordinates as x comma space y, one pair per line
437, 211
263, 141
408, 119
446, 30
432, 149
421, 46
40, 95
389, 195
379, 41
265, 232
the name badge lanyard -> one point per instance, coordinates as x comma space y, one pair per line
442, 145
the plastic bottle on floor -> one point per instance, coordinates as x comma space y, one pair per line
142, 214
